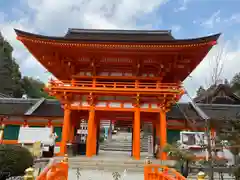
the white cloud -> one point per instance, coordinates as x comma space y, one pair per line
202, 74
176, 28
183, 6
53, 17
212, 20
234, 18
216, 19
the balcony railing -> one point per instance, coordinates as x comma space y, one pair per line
115, 85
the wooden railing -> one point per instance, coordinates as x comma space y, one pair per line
115, 85
156, 172
55, 170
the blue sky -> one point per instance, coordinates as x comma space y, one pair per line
186, 18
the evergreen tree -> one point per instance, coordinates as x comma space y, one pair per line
232, 141
10, 76
235, 83
34, 88
11, 80
200, 91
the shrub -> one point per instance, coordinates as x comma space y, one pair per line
14, 160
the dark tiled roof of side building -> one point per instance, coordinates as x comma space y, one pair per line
52, 108
211, 95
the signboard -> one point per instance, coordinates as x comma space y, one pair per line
192, 139
32, 135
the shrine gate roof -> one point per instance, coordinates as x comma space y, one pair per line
146, 36
134, 52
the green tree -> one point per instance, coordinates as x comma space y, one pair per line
34, 88
10, 75
183, 157
235, 83
200, 91
231, 140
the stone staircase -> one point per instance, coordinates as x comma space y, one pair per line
114, 163
124, 144
123, 141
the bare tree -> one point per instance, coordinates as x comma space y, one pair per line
216, 64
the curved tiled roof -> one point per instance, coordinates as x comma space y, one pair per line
211, 95
92, 35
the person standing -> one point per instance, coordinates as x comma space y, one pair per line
53, 138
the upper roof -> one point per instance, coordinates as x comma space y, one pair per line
94, 35
218, 94
136, 52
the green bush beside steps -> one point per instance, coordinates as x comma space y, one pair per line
14, 160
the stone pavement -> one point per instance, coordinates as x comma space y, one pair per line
102, 175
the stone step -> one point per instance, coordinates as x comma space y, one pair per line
120, 149
109, 166
116, 161
113, 168
123, 145
114, 164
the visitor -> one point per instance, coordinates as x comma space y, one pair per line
53, 138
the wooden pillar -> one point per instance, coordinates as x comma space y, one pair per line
136, 136
65, 130
72, 131
25, 123
163, 133
90, 132
72, 126
49, 125
94, 137
213, 136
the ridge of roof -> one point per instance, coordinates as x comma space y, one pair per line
122, 31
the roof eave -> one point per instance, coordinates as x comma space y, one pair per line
174, 41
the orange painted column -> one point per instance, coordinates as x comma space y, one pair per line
136, 136
72, 127
163, 133
89, 148
49, 125
65, 130
213, 136
94, 137
71, 133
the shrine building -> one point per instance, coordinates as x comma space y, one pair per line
116, 74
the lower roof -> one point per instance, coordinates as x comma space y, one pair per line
52, 108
